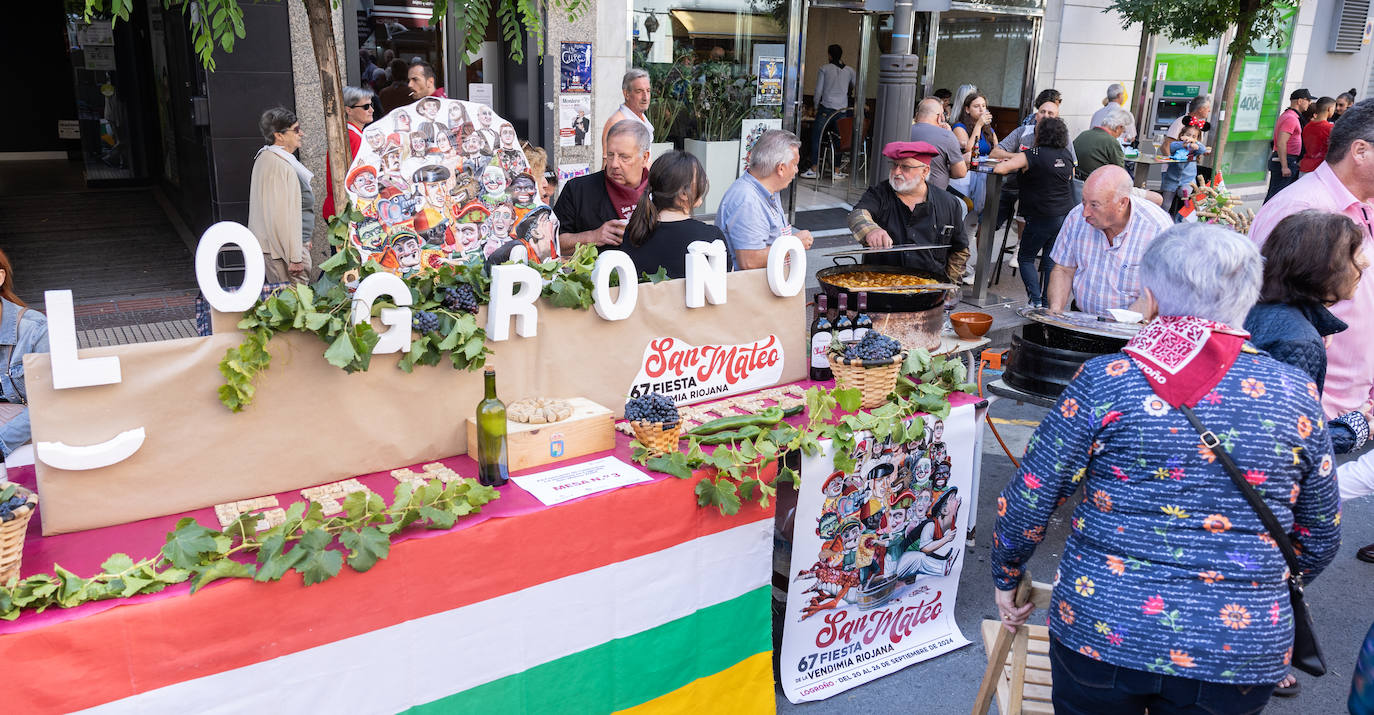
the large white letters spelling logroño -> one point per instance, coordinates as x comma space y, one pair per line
514, 293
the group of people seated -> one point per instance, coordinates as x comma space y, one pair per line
646, 211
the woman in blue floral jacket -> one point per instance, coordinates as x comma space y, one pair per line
1170, 593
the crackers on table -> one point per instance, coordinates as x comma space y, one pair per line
229, 512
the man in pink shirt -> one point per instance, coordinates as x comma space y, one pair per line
1343, 184
1283, 163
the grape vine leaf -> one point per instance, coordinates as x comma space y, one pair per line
221, 568
367, 546
117, 563
721, 493
849, 399
341, 352
674, 463
187, 542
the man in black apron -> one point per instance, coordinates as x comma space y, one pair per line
904, 211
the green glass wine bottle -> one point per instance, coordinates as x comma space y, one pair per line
492, 467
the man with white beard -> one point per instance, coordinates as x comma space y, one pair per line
904, 211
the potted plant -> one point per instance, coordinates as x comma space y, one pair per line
718, 99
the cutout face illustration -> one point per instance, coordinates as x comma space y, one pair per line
364, 182
493, 180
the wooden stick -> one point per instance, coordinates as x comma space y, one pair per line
997, 658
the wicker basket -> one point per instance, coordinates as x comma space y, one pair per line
657, 437
12, 535
876, 380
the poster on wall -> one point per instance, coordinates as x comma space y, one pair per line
574, 120
575, 67
876, 557
1250, 96
694, 373
749, 131
441, 181
770, 81
572, 171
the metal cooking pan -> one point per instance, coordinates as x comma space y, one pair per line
880, 301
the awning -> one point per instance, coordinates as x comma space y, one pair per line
726, 25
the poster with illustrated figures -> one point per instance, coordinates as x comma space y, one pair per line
876, 557
441, 181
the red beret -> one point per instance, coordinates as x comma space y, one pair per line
920, 151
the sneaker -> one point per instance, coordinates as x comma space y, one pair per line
808, 174
839, 175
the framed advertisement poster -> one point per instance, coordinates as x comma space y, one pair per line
575, 67
574, 120
876, 557
770, 81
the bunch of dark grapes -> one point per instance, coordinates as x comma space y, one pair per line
424, 321
874, 347
460, 299
651, 407
7, 508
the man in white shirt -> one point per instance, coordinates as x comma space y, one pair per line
832, 97
1116, 97
635, 87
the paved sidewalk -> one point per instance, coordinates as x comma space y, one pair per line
135, 320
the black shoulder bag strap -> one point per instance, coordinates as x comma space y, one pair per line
1307, 655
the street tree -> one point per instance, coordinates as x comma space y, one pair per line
216, 25
1197, 22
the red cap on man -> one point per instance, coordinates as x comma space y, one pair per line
920, 151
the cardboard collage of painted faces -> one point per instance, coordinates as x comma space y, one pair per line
440, 181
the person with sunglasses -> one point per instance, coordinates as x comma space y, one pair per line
358, 110
905, 210
281, 205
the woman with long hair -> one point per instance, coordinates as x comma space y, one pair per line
971, 122
661, 228
22, 331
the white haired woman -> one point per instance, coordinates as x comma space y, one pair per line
358, 110
1171, 595
281, 206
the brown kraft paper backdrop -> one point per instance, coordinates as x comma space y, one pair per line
311, 423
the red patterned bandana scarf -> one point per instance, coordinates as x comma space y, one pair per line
625, 198
1185, 357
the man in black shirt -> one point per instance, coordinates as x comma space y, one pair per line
904, 211
594, 208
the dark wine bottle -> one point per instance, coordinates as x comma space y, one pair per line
820, 342
844, 326
492, 467
862, 322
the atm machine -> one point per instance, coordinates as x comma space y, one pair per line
1171, 102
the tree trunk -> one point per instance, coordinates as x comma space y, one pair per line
1228, 95
321, 19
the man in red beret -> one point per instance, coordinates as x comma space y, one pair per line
904, 211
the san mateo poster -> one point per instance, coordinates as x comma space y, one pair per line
876, 558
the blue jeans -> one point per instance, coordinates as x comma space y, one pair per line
1037, 240
823, 115
1277, 181
1085, 686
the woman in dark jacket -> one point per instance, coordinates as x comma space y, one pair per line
1311, 260
1046, 198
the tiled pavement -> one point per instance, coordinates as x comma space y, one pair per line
135, 320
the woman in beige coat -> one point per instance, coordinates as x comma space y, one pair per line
281, 206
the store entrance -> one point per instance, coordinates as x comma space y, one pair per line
831, 159
82, 161
995, 54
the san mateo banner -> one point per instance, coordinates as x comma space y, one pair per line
876, 558
695, 373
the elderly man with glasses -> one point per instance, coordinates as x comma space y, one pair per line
358, 110
903, 211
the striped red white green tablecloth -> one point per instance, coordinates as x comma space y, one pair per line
635, 599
